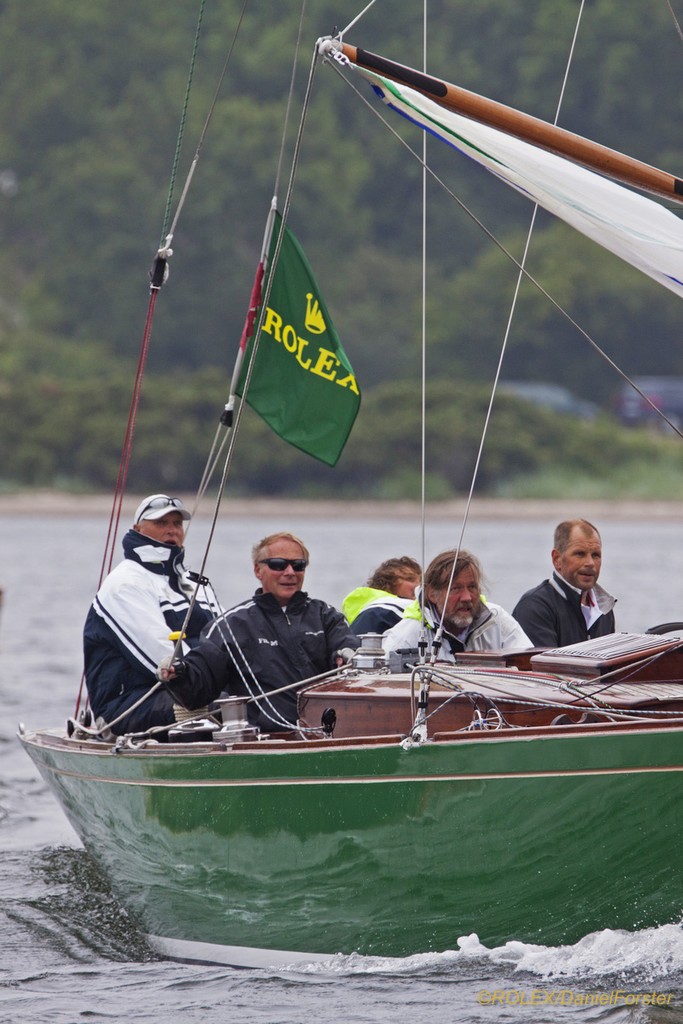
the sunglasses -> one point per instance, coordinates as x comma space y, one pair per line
162, 502
280, 564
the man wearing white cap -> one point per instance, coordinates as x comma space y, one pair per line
135, 620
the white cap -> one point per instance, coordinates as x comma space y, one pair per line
155, 506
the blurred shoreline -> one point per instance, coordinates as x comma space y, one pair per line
46, 503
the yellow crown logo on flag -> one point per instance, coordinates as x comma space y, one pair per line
315, 322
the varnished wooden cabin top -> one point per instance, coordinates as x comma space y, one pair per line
632, 672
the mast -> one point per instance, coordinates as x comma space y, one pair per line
523, 126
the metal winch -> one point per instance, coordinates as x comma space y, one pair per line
370, 655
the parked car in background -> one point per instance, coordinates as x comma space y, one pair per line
550, 396
666, 394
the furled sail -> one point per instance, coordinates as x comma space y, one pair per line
632, 226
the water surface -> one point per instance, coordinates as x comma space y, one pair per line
69, 953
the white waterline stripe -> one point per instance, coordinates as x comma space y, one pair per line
364, 779
232, 956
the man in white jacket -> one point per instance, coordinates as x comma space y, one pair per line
135, 622
453, 582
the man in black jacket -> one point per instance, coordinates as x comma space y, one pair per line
277, 637
570, 606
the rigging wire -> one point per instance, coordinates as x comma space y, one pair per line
158, 275
234, 431
217, 449
522, 273
146, 335
513, 306
221, 436
127, 447
419, 729
254, 351
675, 20
357, 18
234, 425
183, 118
264, 302
205, 128
504, 250
423, 357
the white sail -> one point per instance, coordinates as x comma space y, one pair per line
635, 228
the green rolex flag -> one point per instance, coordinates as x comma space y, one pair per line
302, 383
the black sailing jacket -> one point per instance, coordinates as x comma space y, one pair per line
551, 614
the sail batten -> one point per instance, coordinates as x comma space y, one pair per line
534, 130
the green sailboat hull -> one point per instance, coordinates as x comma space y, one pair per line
265, 855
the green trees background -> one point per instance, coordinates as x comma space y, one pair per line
90, 106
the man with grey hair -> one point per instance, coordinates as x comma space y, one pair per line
278, 637
452, 590
570, 607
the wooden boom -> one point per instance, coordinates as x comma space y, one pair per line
523, 126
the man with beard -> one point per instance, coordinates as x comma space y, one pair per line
569, 607
470, 622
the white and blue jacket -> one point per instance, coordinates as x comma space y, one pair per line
127, 632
